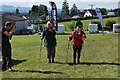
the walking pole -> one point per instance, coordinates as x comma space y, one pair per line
41, 42
67, 51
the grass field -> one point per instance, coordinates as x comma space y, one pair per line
99, 58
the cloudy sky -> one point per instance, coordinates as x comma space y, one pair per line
79, 3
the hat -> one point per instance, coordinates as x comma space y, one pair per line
48, 22
8, 23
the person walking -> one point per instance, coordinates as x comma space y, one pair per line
7, 32
77, 36
49, 42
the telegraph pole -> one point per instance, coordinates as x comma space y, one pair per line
91, 7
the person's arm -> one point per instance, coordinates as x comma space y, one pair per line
84, 36
10, 33
52, 31
71, 36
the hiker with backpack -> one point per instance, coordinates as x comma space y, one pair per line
77, 36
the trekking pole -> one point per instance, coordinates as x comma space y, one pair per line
67, 51
83, 48
41, 42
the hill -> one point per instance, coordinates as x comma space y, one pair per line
9, 8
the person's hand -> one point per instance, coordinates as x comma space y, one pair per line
41, 38
13, 30
50, 30
69, 39
84, 38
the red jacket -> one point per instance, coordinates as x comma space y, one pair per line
77, 37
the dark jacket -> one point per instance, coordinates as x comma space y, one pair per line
49, 37
5, 39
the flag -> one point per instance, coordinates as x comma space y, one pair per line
100, 17
54, 15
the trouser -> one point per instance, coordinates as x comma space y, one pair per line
50, 52
6, 56
76, 49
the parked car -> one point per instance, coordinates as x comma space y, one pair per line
27, 32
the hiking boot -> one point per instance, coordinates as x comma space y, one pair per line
53, 60
4, 69
49, 61
10, 69
78, 61
74, 62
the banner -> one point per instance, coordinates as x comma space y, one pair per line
54, 15
100, 16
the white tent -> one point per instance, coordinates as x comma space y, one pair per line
60, 28
116, 28
93, 28
110, 14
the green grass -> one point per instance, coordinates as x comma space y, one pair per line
99, 58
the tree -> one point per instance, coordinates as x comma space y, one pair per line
73, 10
103, 11
78, 23
72, 25
34, 9
65, 8
17, 11
42, 9
117, 11
110, 24
30, 12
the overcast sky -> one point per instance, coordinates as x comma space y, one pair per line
30, 3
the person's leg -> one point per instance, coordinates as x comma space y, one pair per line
74, 54
79, 53
53, 53
4, 60
48, 54
4, 63
9, 57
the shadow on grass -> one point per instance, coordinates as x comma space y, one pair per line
33, 71
15, 62
90, 63
100, 63
63, 33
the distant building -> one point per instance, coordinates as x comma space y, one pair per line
48, 17
111, 14
18, 22
34, 18
76, 17
90, 13
81, 13
63, 17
